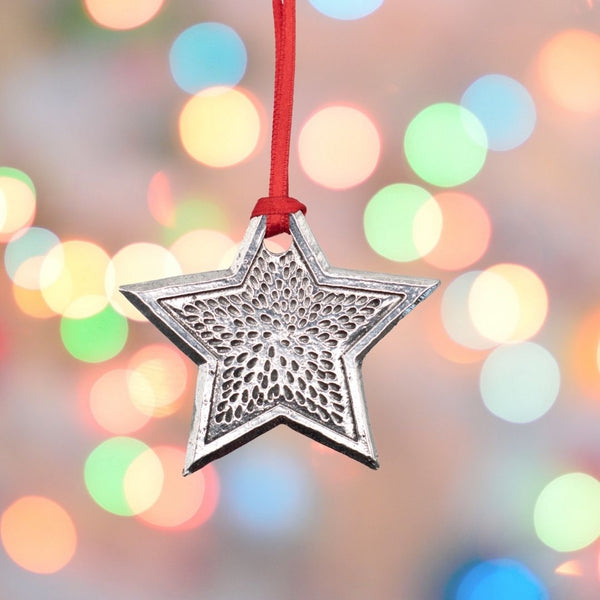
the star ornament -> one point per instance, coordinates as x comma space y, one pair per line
278, 338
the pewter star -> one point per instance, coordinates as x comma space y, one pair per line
278, 338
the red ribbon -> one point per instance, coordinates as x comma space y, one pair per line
277, 206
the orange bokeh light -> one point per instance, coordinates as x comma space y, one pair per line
122, 14
184, 503
32, 303
583, 354
160, 200
38, 534
569, 70
465, 235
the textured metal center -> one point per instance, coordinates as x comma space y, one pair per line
280, 338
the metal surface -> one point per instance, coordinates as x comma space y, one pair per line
279, 338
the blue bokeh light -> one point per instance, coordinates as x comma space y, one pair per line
500, 579
207, 55
505, 109
265, 494
35, 241
346, 9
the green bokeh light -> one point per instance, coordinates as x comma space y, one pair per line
445, 144
16, 174
95, 338
566, 515
105, 470
519, 382
389, 219
193, 214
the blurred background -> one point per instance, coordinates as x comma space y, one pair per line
455, 140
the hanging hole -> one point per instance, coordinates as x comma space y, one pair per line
278, 244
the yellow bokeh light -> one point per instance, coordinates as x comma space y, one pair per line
143, 481
201, 250
165, 370
339, 147
122, 14
72, 279
508, 303
135, 263
219, 127
38, 534
111, 401
569, 70
427, 227
17, 206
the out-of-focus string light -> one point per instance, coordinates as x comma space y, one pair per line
220, 127
17, 202
346, 9
501, 578
207, 55
339, 147
165, 377
201, 250
123, 14
24, 254
519, 382
137, 262
195, 213
38, 534
111, 401
184, 502
160, 199
266, 495
505, 109
402, 222
566, 515
583, 354
96, 338
508, 303
111, 476
568, 70
571, 568
454, 250
32, 303
445, 144
72, 276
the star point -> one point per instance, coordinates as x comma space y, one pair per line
279, 339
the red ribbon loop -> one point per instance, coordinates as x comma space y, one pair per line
278, 205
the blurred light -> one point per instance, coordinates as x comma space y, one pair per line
465, 234
402, 222
94, 339
184, 502
72, 278
122, 14
583, 354
134, 263
502, 579
219, 127
505, 109
17, 202
32, 303
111, 401
568, 68
570, 568
192, 214
160, 199
520, 382
267, 495
105, 471
346, 9
143, 481
38, 534
165, 376
566, 514
455, 313
445, 144
339, 147
508, 303
24, 254
207, 55
201, 250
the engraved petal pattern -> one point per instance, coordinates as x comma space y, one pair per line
280, 339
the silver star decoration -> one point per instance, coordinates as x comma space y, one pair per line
278, 338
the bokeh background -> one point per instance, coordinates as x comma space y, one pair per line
455, 140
